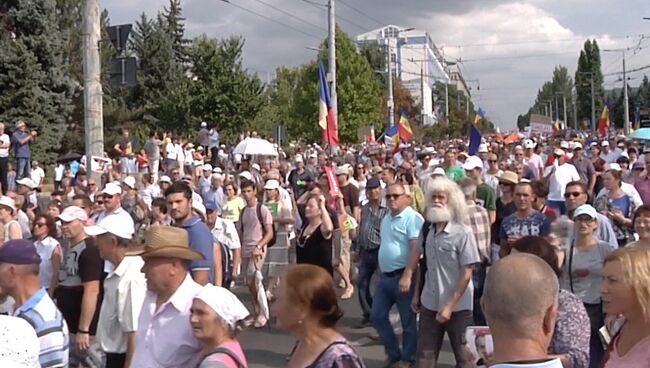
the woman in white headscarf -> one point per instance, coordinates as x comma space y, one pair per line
216, 315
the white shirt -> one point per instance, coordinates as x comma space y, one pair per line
164, 337
4, 138
149, 193
124, 292
189, 156
45, 248
37, 175
225, 232
563, 175
553, 363
58, 172
171, 151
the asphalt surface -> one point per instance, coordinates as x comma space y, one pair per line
269, 347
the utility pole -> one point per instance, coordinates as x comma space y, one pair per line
626, 107
390, 103
575, 109
423, 112
93, 112
331, 51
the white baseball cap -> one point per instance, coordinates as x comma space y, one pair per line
204, 124
112, 189
604, 144
207, 167
29, 183
528, 143
8, 202
165, 179
130, 181
439, 171
272, 184
482, 148
473, 162
117, 225
217, 170
246, 175
71, 213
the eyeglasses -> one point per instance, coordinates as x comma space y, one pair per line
584, 219
572, 194
506, 184
39, 224
99, 202
393, 196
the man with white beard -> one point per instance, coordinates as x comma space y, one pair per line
445, 303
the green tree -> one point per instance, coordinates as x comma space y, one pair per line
643, 93
221, 90
175, 28
33, 75
589, 66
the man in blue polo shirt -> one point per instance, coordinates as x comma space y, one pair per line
179, 203
19, 266
400, 230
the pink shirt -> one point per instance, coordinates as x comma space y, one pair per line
638, 356
224, 359
164, 337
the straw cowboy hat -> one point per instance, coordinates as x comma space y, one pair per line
167, 241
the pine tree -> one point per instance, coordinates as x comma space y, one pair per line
33, 75
175, 28
589, 66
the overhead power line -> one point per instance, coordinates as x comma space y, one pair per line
273, 20
362, 13
320, 6
291, 15
509, 43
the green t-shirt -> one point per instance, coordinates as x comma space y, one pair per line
455, 173
485, 197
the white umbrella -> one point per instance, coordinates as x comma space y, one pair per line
255, 146
261, 294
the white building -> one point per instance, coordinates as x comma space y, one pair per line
414, 59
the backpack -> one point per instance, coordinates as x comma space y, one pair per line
226, 265
423, 261
258, 210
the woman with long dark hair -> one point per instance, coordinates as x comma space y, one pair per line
44, 237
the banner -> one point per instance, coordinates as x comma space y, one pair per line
333, 182
540, 124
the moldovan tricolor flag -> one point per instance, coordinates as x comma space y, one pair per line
405, 131
603, 123
326, 118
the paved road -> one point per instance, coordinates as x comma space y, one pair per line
268, 347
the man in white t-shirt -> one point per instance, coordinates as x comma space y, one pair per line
5, 142
560, 174
37, 175
532, 160
521, 282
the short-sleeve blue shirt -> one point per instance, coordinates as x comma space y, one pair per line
396, 231
21, 150
200, 239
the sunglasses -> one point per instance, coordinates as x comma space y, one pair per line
99, 202
572, 194
393, 196
108, 196
492, 161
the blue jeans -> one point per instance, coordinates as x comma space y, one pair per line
478, 279
367, 267
559, 206
386, 295
23, 168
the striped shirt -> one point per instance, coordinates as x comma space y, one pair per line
369, 238
479, 221
50, 327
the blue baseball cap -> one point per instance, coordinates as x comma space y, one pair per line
211, 206
20, 252
373, 183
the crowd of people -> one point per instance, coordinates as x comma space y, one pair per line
546, 241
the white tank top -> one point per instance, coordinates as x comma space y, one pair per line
7, 225
45, 248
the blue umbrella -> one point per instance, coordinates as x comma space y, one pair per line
643, 133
